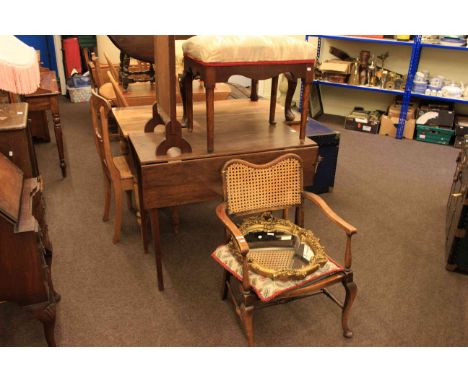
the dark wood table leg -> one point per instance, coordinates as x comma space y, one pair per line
292, 84
274, 92
305, 110
58, 133
188, 90
254, 91
154, 216
209, 89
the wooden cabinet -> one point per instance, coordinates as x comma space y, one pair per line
25, 250
15, 138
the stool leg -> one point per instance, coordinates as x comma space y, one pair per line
274, 91
188, 83
305, 110
292, 84
209, 89
254, 91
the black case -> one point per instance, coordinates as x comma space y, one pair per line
457, 216
328, 141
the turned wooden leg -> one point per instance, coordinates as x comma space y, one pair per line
183, 96
274, 91
254, 91
292, 84
188, 84
118, 214
125, 71
226, 278
285, 214
305, 110
209, 89
351, 291
107, 198
47, 317
247, 320
58, 133
175, 219
157, 246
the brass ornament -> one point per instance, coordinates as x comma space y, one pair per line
268, 223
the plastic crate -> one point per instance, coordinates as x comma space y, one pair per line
432, 134
82, 94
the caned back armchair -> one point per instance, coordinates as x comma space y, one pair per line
258, 191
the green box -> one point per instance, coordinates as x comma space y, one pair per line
433, 134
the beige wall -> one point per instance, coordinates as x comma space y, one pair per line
105, 45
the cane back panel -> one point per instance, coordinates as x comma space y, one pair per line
252, 188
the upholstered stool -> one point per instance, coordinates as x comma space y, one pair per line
216, 58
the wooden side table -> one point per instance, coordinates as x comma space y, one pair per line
46, 98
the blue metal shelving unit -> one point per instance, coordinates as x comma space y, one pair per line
362, 39
437, 46
367, 88
416, 47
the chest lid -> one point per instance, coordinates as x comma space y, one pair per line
11, 186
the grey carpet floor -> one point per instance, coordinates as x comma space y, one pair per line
394, 192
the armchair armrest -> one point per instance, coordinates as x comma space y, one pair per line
317, 200
232, 228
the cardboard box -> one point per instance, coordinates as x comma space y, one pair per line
394, 111
336, 66
388, 126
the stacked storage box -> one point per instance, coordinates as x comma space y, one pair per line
389, 122
435, 124
362, 120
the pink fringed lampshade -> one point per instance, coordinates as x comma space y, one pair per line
19, 67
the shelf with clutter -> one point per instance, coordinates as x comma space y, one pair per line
405, 66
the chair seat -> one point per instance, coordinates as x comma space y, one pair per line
265, 287
107, 91
224, 50
122, 165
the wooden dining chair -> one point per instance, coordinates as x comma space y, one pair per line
103, 85
120, 100
268, 276
111, 67
117, 174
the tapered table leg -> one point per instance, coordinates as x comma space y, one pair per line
154, 216
58, 133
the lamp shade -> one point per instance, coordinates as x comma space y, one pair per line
19, 67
